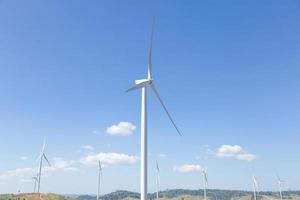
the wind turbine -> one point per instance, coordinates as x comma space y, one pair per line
143, 84
99, 180
255, 187
205, 182
157, 181
42, 157
35, 178
279, 181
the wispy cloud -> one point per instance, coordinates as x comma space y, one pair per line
234, 151
64, 165
109, 158
24, 158
122, 128
87, 147
246, 156
187, 168
18, 172
58, 165
162, 155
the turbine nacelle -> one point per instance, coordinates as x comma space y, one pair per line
144, 81
140, 84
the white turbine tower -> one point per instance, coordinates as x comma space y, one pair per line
99, 180
143, 84
41, 158
35, 178
279, 181
157, 181
205, 181
255, 187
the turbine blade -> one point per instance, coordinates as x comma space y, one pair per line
255, 182
157, 167
139, 85
44, 145
150, 53
163, 105
46, 159
43, 150
206, 181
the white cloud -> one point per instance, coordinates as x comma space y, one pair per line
87, 147
246, 156
123, 129
58, 165
64, 165
19, 172
187, 168
229, 150
235, 151
162, 155
109, 159
23, 158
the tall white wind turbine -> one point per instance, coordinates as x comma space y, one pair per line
205, 181
99, 180
143, 84
279, 181
157, 181
255, 187
41, 158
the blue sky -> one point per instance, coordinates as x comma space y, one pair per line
227, 70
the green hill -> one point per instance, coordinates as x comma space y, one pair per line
181, 194
176, 194
31, 196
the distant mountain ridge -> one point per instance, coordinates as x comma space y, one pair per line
173, 193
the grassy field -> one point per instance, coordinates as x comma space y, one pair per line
34, 197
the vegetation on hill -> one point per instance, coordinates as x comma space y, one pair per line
31, 196
177, 194
181, 194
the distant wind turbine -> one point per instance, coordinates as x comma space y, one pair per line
41, 158
279, 181
255, 187
143, 84
157, 181
99, 180
35, 178
205, 181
